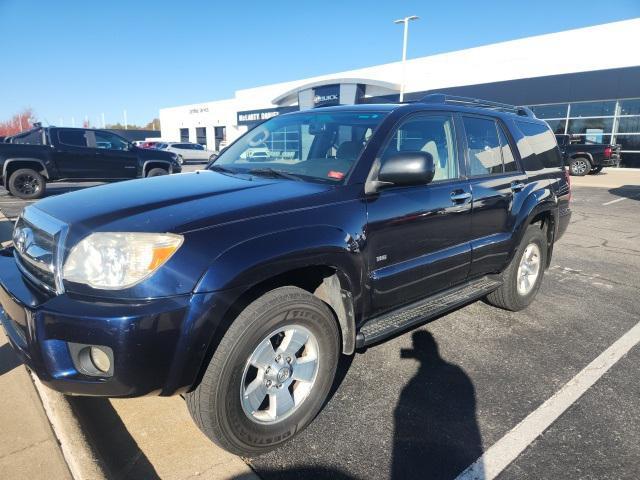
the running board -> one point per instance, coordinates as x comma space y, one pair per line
388, 324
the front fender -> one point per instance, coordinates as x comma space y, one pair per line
265, 256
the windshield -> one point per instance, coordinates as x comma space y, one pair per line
312, 146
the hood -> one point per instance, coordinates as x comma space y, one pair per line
177, 203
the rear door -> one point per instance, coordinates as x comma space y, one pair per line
418, 237
71, 153
497, 184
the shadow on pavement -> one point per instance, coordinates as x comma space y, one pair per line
111, 439
8, 359
626, 191
436, 430
436, 433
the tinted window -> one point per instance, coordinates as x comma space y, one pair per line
630, 107
543, 143
507, 155
184, 134
483, 146
431, 134
557, 125
629, 125
76, 138
201, 135
110, 141
550, 111
591, 125
197, 147
593, 109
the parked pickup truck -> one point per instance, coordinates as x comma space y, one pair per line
587, 158
240, 286
28, 161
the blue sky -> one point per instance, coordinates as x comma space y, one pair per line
82, 58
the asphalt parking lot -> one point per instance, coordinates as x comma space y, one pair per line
428, 403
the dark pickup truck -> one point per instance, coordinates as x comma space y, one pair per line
29, 160
240, 286
587, 158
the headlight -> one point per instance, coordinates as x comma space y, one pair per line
113, 261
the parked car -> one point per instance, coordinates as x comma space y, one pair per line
587, 158
49, 154
241, 286
187, 152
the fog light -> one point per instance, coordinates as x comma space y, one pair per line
100, 359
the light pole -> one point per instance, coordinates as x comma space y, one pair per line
405, 38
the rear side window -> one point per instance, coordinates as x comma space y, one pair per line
544, 146
34, 137
483, 146
75, 138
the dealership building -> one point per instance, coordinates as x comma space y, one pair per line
583, 82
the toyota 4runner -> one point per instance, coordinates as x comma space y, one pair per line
241, 285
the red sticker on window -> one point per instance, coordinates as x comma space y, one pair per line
336, 175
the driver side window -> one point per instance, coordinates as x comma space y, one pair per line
110, 141
432, 134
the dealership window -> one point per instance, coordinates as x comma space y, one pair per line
201, 135
602, 121
184, 134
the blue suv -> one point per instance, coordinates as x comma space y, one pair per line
314, 235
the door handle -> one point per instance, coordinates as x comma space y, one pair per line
460, 197
517, 186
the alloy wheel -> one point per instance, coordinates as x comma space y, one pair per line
280, 374
27, 184
529, 269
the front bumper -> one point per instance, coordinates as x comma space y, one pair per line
158, 345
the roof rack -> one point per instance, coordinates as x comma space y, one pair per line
476, 102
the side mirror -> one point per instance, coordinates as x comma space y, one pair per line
407, 168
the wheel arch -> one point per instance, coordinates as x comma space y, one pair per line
149, 164
12, 164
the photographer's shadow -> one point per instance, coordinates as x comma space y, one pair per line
436, 431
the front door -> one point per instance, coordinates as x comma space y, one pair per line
418, 237
115, 157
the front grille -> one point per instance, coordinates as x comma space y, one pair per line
36, 238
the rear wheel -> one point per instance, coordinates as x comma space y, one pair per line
271, 373
156, 172
27, 184
579, 166
523, 276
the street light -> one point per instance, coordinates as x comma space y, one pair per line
406, 21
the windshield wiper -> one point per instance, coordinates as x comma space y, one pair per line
221, 169
274, 173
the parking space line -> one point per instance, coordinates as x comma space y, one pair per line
614, 201
509, 447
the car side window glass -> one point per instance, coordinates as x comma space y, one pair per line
508, 159
110, 141
432, 134
74, 138
483, 146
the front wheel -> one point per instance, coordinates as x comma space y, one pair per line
271, 373
523, 277
579, 166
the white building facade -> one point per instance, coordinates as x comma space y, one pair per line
584, 82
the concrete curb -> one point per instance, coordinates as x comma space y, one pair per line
83, 462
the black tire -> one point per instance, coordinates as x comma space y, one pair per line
157, 172
508, 296
27, 184
579, 166
596, 170
215, 405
